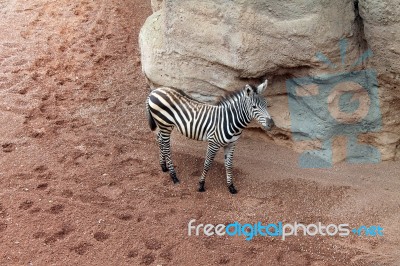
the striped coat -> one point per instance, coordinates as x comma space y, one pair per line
220, 125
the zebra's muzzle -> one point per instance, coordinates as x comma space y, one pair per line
269, 124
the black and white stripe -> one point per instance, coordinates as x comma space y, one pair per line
220, 124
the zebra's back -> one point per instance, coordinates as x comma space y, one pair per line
170, 108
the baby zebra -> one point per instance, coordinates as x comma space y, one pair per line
220, 124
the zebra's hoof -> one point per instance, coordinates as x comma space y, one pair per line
174, 179
201, 187
164, 168
232, 189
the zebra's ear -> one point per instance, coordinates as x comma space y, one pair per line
249, 90
261, 88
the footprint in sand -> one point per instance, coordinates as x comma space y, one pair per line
111, 192
100, 236
25, 205
56, 209
81, 248
8, 147
3, 226
152, 244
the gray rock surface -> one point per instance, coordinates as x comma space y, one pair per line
208, 47
381, 20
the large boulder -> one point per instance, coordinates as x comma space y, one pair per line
208, 47
381, 20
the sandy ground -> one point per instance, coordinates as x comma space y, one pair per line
80, 182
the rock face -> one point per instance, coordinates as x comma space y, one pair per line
381, 21
208, 47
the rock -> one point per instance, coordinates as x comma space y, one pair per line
203, 47
156, 5
381, 20
209, 47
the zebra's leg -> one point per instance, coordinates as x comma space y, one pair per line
211, 152
228, 155
165, 138
162, 153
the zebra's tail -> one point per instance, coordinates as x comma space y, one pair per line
150, 118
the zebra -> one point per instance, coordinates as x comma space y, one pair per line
220, 124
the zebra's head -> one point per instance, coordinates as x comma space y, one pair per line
258, 106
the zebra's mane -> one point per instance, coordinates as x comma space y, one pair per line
232, 95
183, 94
228, 96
